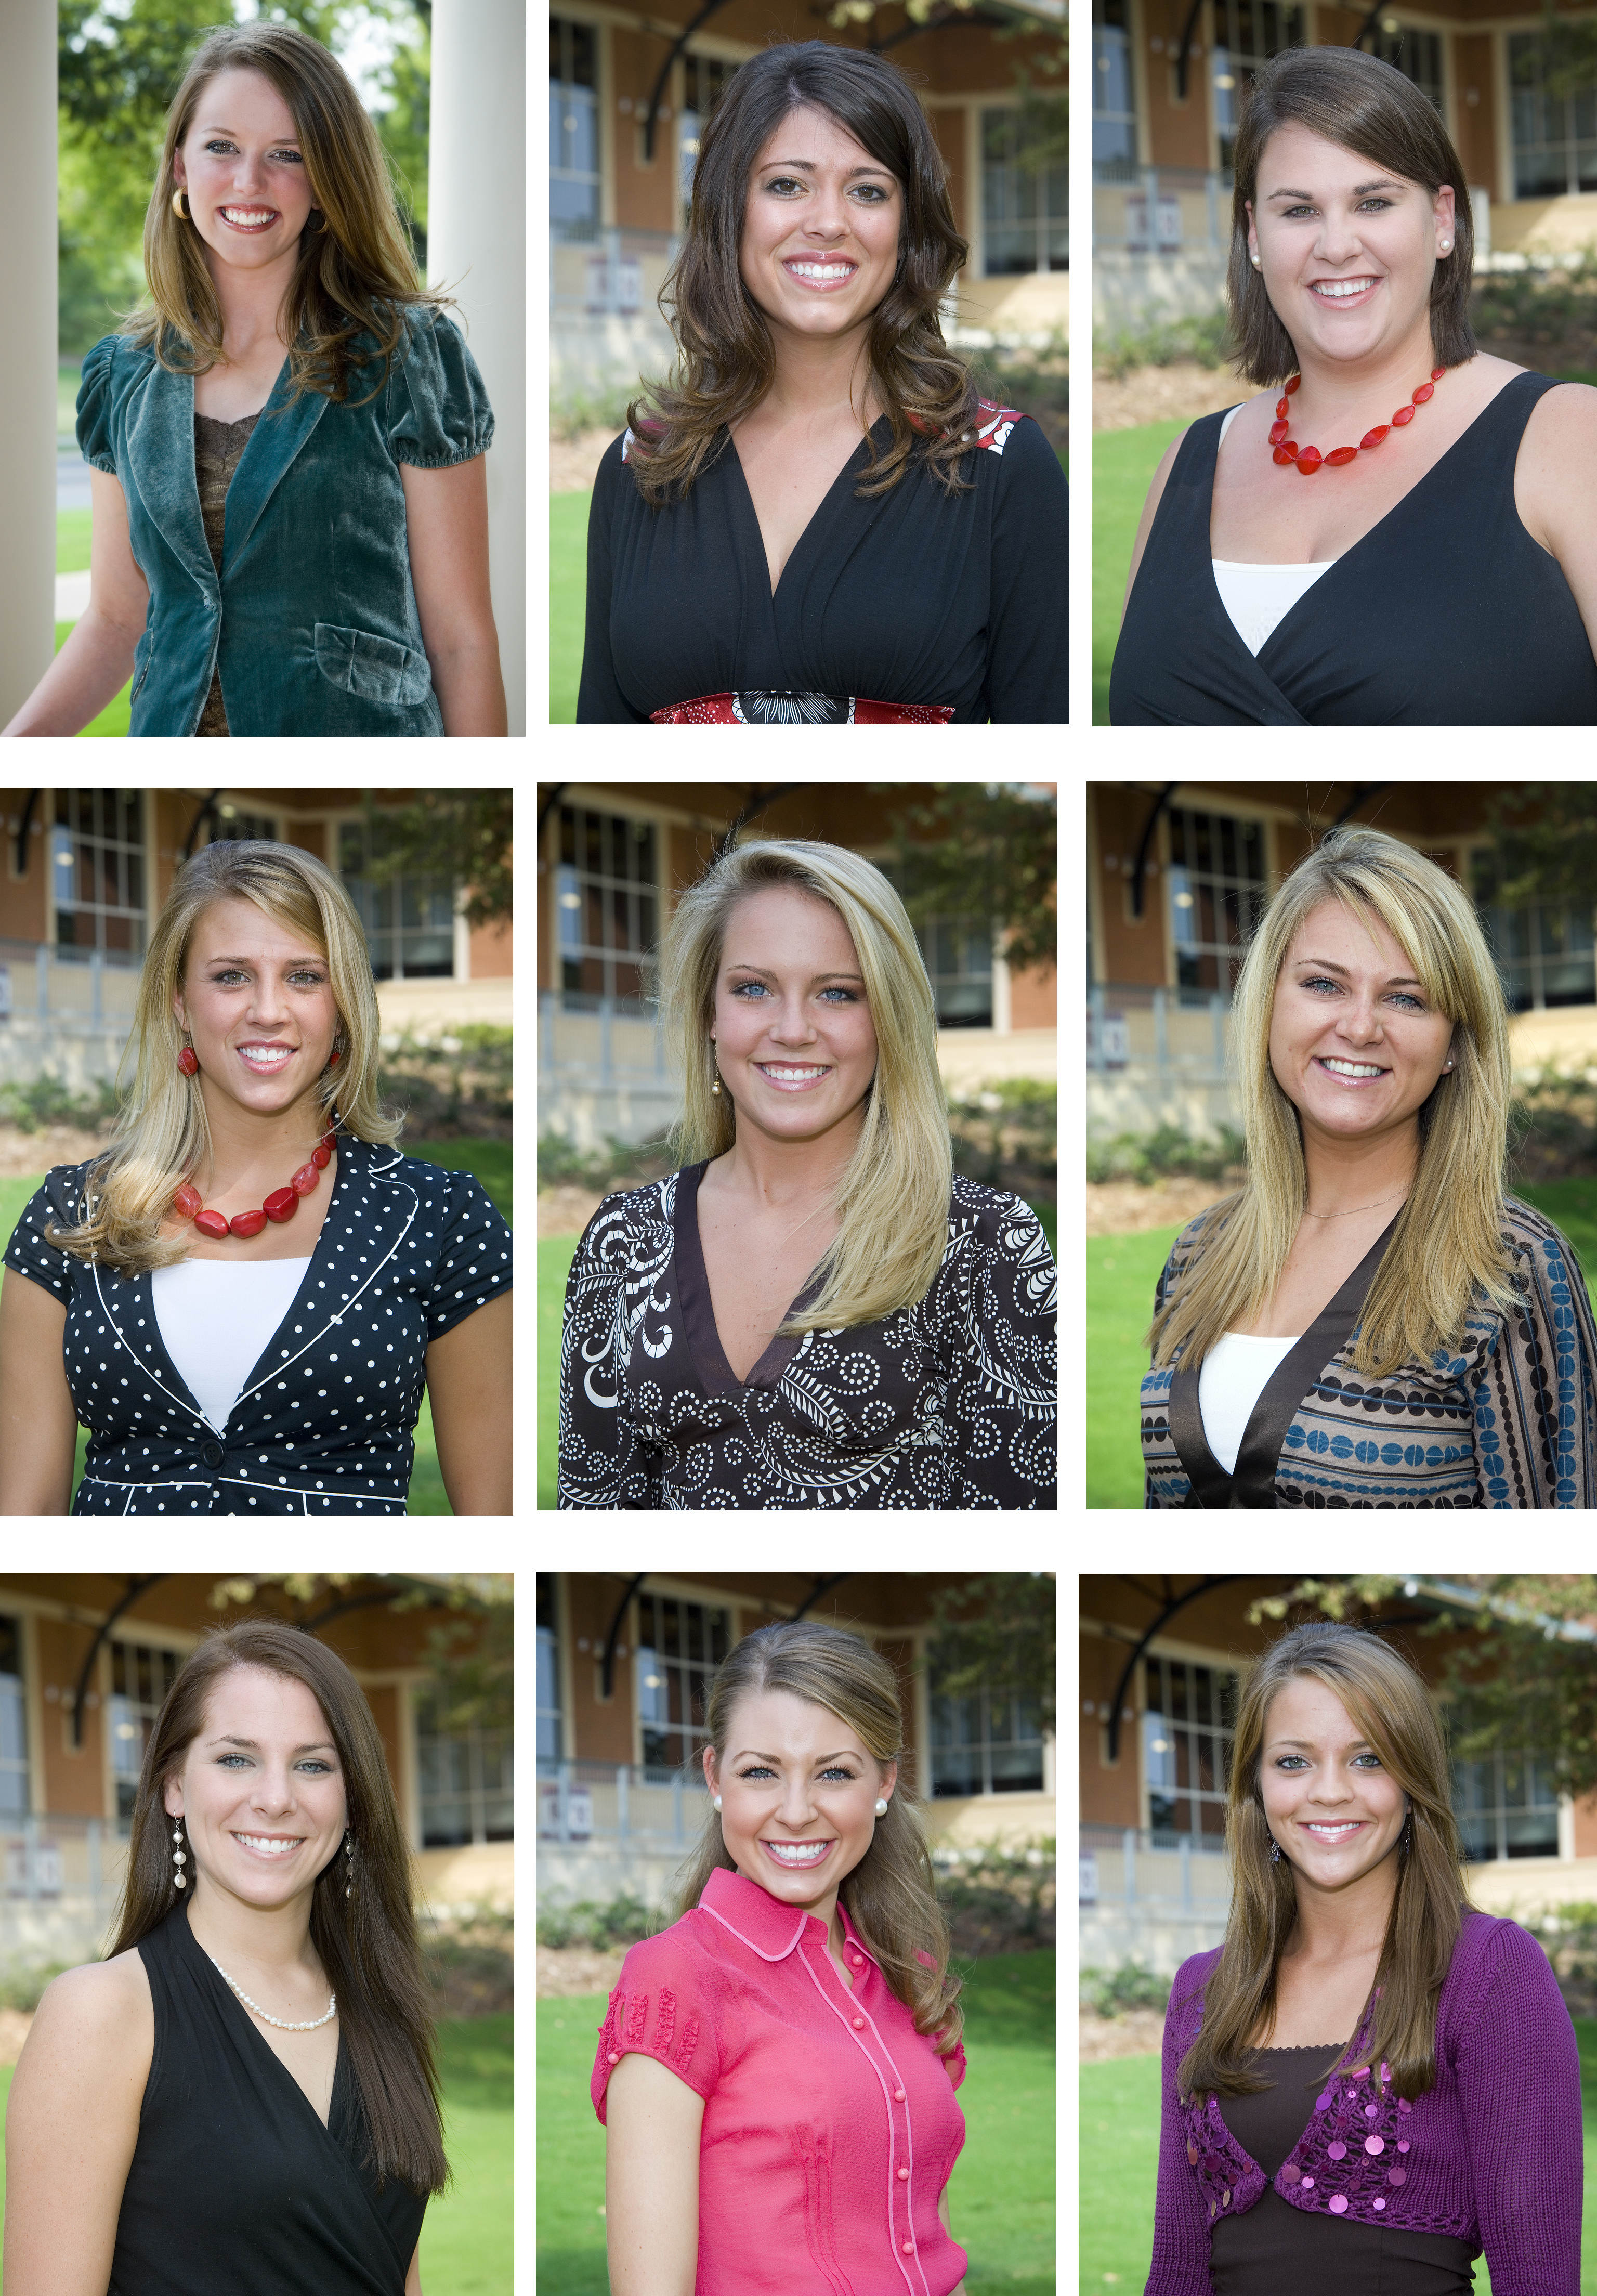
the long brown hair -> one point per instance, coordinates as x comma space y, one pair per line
1393, 1709
355, 274
367, 1942
891, 1895
1370, 108
726, 362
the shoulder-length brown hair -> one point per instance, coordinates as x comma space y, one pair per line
355, 275
1370, 108
891, 1894
726, 362
367, 1941
1392, 1710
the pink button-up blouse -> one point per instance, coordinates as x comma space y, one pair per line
830, 2124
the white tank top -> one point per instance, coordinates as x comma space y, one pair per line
1231, 1379
216, 1315
1259, 597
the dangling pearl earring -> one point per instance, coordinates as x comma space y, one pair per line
348, 1864
715, 1089
881, 1809
179, 1861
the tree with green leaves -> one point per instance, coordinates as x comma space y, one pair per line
1545, 837
465, 834
983, 851
997, 1633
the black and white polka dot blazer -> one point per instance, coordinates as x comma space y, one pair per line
324, 1423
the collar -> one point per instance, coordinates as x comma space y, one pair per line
766, 1924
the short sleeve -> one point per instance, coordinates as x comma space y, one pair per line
1027, 679
29, 1252
660, 2009
604, 1458
440, 412
599, 700
955, 2064
474, 1255
94, 406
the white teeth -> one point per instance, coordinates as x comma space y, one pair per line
799, 1853
263, 1057
789, 1076
821, 270
248, 215
1336, 288
1350, 1067
268, 1848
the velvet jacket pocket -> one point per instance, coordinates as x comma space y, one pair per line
356, 661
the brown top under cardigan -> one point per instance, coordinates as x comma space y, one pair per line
218, 447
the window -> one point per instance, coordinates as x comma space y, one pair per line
679, 1647
1247, 34
957, 953
140, 1679
1114, 99
467, 1781
1506, 1806
549, 1713
607, 906
1025, 206
98, 871
983, 1744
14, 1796
573, 128
409, 921
231, 824
1544, 957
1216, 882
1418, 56
704, 78
1188, 1722
1555, 137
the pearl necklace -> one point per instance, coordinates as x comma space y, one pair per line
315, 2024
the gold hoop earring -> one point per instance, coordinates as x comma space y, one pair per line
182, 213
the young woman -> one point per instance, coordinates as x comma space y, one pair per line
289, 507
1369, 2082
814, 1311
1371, 1321
242, 2096
776, 2071
822, 523
242, 1297
1286, 568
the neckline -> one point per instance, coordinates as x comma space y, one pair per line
811, 522
697, 1310
210, 1970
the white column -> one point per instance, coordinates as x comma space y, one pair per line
477, 250
27, 370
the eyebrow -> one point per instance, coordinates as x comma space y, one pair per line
1308, 1745
1381, 183
249, 960
813, 167
318, 1746
234, 133
1397, 981
766, 975
749, 1751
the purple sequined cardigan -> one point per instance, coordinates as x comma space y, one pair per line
1491, 2155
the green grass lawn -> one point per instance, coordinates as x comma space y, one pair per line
1123, 465
1001, 2195
555, 1254
1119, 2166
467, 2237
1122, 1271
72, 531
568, 601
489, 1160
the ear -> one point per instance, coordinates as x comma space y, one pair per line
1252, 229
171, 1796
890, 1779
708, 1760
1445, 214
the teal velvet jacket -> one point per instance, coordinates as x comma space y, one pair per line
313, 625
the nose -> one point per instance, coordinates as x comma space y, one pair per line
790, 1026
1337, 240
795, 1810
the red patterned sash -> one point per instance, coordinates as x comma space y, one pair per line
788, 709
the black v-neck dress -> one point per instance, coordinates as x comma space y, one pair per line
916, 597
1446, 613
949, 1403
235, 2185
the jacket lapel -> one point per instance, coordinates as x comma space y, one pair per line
268, 457
161, 457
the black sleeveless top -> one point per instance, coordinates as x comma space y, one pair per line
235, 2183
1273, 2247
1446, 613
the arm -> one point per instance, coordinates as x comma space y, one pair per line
1027, 670
469, 1387
1003, 1383
412, 2278
948, 2228
599, 700
652, 2180
1528, 1453
447, 530
1555, 490
1180, 2238
71, 2125
1149, 509
1519, 2089
97, 662
38, 1419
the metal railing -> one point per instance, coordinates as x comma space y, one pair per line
608, 270
618, 1801
1168, 1033
1125, 1865
78, 991
597, 1041
1159, 210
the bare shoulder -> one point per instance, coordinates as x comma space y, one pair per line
100, 2007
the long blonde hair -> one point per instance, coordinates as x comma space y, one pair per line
163, 1133
891, 1894
355, 274
892, 1201
1392, 1708
1448, 1242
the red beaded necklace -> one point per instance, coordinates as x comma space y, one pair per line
281, 1205
1309, 459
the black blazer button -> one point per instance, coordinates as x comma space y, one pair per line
211, 1453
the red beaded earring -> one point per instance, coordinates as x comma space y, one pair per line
187, 1062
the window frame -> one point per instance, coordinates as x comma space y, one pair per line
571, 877
1222, 1735
170, 1663
364, 895
1516, 43
578, 229
698, 1671
1045, 220
477, 1792
1178, 876
983, 1744
64, 824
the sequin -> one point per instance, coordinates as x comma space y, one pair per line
1309, 2184
1323, 2103
1213, 2163
1403, 2105
1338, 2204
1381, 2204
1397, 2175
1371, 2113
1291, 2173
1402, 2144
1375, 2143
1192, 2155
1226, 2200
1336, 2152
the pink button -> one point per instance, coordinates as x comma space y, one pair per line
859, 2024
614, 2059
903, 2172
909, 2248
898, 2096
858, 1959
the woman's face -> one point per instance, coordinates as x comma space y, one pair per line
792, 1033
257, 999
243, 166
1333, 1808
1347, 250
798, 1792
821, 227
260, 1792
1354, 1043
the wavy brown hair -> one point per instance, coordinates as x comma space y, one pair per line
1372, 109
356, 276
891, 1895
726, 361
1394, 1711
367, 1941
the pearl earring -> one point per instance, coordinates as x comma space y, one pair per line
881, 1809
1446, 245
1256, 262
715, 1089
179, 1881
348, 1864
718, 1801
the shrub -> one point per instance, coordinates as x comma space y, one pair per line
1005, 1135
30, 1107
1568, 1936
625, 1921
456, 1086
20, 1988
1112, 1992
1167, 343
998, 1898
470, 1958
1166, 1153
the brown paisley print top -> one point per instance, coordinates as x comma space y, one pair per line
217, 448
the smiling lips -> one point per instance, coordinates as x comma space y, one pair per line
792, 1076
796, 1855
820, 273
1324, 1830
248, 218
1355, 1074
